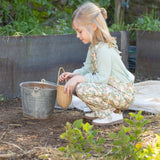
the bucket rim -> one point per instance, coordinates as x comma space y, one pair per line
39, 82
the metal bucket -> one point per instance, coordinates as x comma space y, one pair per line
38, 98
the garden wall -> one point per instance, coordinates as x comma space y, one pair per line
36, 57
148, 57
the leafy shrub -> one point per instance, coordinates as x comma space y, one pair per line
119, 27
38, 17
81, 139
23, 16
148, 22
150, 152
126, 139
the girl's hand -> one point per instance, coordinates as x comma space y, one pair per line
71, 84
66, 76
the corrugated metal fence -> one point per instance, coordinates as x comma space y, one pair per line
36, 57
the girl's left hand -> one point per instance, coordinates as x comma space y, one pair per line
71, 84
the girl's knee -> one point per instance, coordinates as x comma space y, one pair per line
82, 89
79, 89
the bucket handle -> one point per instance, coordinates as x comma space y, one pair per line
61, 68
44, 81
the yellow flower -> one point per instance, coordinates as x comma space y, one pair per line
139, 145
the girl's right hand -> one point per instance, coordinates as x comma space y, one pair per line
66, 76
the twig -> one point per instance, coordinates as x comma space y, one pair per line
15, 125
13, 145
2, 135
7, 155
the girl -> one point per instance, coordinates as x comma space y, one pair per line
103, 83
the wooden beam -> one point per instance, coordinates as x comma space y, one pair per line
119, 12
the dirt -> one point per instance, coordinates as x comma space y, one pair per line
24, 138
20, 134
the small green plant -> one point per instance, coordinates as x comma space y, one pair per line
125, 140
61, 27
150, 152
119, 27
1, 97
81, 140
147, 22
44, 156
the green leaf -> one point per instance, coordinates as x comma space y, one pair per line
99, 149
94, 132
77, 123
132, 114
145, 122
101, 140
88, 155
62, 149
44, 156
112, 135
63, 135
121, 133
129, 121
87, 127
126, 129
139, 117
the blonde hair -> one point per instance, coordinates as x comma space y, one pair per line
88, 14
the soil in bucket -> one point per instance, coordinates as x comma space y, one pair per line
38, 99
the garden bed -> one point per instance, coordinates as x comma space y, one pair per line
25, 138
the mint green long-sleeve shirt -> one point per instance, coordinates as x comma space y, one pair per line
109, 64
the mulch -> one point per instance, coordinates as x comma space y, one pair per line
26, 138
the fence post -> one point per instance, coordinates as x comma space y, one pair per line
118, 12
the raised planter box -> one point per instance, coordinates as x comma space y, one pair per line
36, 57
148, 54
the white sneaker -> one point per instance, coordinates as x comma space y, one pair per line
90, 116
113, 118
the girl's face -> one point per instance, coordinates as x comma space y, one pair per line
82, 33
